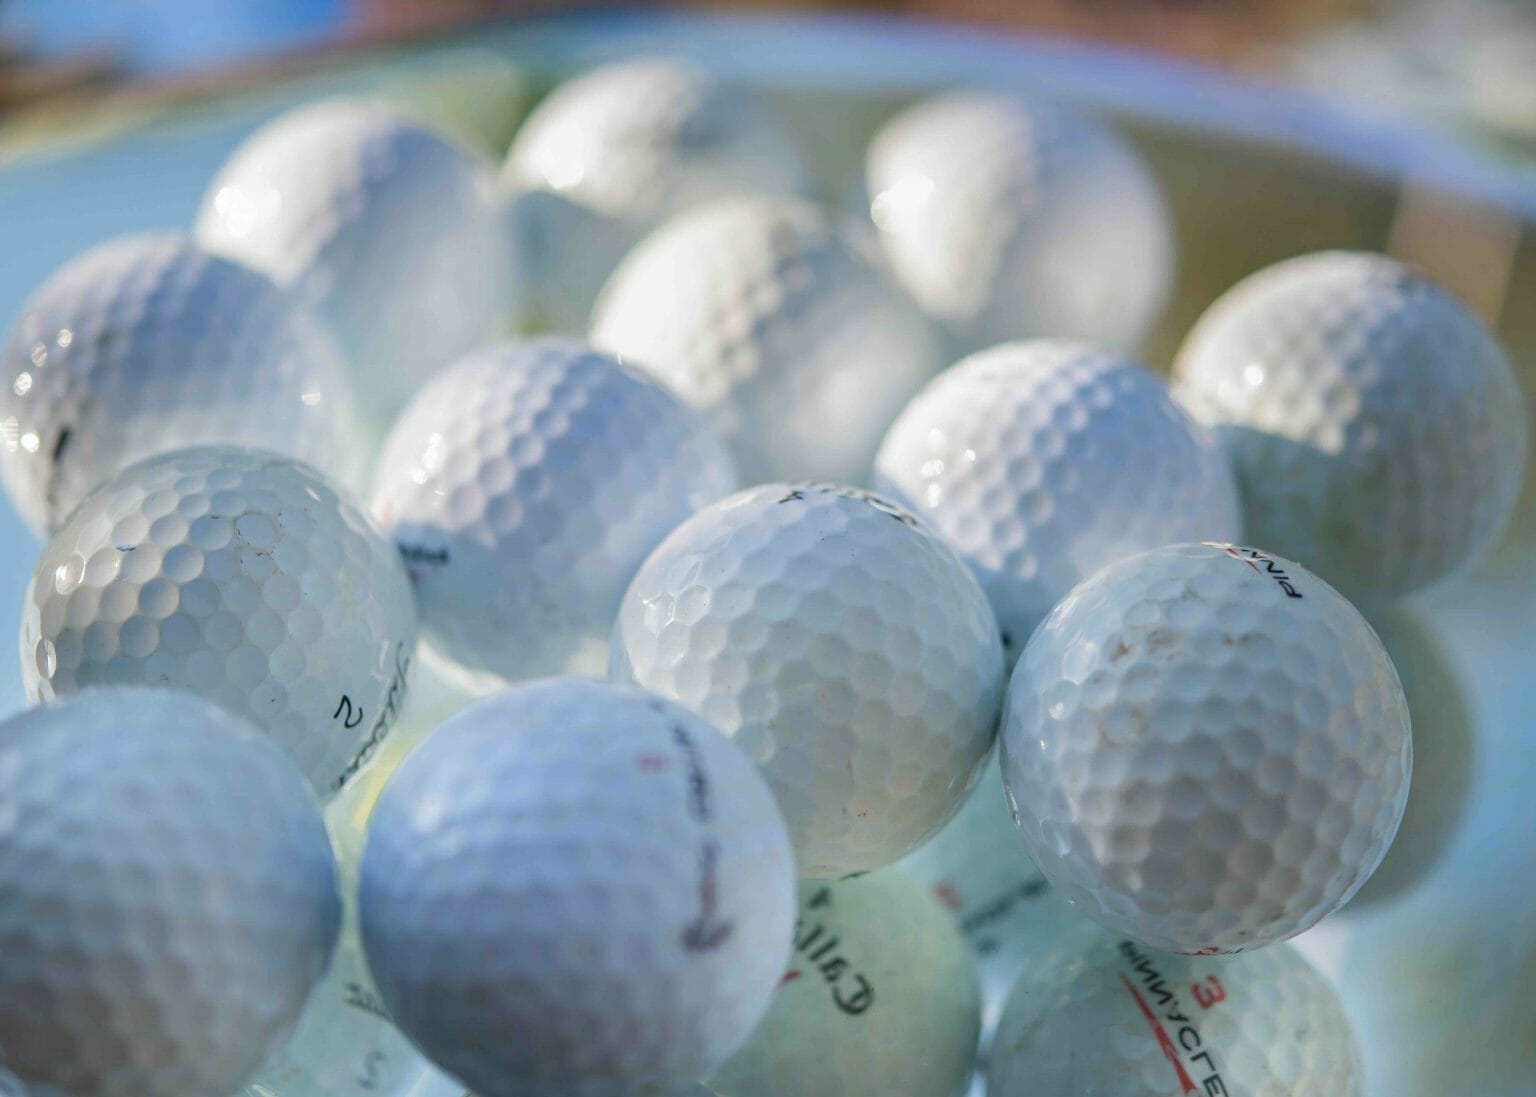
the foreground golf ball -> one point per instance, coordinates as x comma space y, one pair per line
170, 897
759, 312
1206, 748
1043, 462
1374, 424
1007, 219
1119, 1020
843, 645
394, 234
978, 869
240, 576
880, 1000
577, 888
612, 152
147, 344
524, 487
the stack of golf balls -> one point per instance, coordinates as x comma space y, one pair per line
808, 715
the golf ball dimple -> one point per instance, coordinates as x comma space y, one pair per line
845, 647
396, 236
146, 344
170, 896
1008, 219
1043, 462
1120, 1020
238, 575
880, 1000
759, 312
1374, 424
524, 487
576, 888
1206, 748
977, 868
611, 153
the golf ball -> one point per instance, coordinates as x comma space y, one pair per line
395, 235
575, 888
759, 312
240, 576
1119, 1020
611, 153
147, 344
978, 869
1372, 419
1206, 748
1043, 462
524, 487
1007, 219
170, 896
880, 1000
843, 645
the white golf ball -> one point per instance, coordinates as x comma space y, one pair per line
147, 344
843, 645
575, 888
759, 312
1007, 219
394, 234
1376, 429
611, 153
1206, 748
170, 896
1119, 1020
1043, 462
880, 1000
524, 487
977, 868
240, 576
345, 1044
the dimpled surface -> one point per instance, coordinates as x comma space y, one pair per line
1118, 1020
240, 576
1198, 757
147, 344
762, 314
345, 1044
880, 1000
578, 889
1043, 462
977, 868
394, 234
1376, 430
525, 486
842, 644
169, 896
633, 142
1007, 219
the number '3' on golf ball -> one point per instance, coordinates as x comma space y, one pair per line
847, 649
240, 576
169, 896
524, 487
1118, 1020
1206, 748
578, 889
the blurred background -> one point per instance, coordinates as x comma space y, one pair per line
1464, 63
